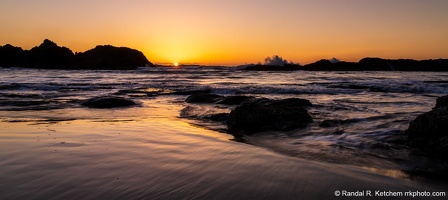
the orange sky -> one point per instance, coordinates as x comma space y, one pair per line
234, 31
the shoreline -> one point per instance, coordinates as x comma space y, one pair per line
226, 169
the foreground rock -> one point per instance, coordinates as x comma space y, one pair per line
442, 102
108, 102
428, 133
263, 114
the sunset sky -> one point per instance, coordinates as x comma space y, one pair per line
234, 32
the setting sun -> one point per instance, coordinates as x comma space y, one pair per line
176, 64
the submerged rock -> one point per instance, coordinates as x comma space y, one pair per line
428, 132
264, 114
108, 102
203, 98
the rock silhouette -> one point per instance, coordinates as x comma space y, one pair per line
49, 55
110, 57
203, 98
365, 64
11, 56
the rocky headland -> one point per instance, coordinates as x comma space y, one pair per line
49, 55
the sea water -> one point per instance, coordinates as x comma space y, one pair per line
53, 148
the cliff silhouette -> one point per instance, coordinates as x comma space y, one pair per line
49, 55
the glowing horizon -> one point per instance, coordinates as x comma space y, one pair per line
235, 32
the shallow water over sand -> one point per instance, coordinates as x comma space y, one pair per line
161, 159
53, 148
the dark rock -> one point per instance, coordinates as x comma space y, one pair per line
428, 132
50, 55
203, 98
108, 102
379, 64
110, 57
327, 65
11, 56
234, 100
220, 117
375, 64
442, 101
264, 114
291, 102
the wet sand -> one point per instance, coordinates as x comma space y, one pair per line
157, 158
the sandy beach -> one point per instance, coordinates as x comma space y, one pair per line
161, 159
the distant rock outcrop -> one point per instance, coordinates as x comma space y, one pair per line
110, 57
365, 64
428, 132
264, 114
327, 65
49, 55
379, 64
11, 56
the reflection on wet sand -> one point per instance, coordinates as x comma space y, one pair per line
161, 159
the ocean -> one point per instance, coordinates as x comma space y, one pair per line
51, 147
